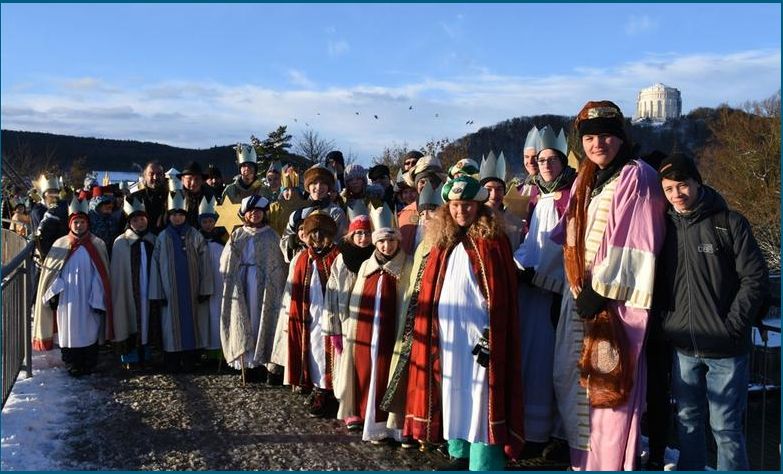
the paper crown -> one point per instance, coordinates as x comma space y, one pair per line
532, 139
289, 178
429, 196
355, 208
245, 154
547, 139
207, 206
493, 168
275, 167
46, 184
131, 206
176, 202
383, 218
175, 184
78, 207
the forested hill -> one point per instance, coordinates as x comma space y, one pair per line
108, 154
690, 133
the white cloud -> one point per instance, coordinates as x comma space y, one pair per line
337, 47
298, 78
203, 114
641, 24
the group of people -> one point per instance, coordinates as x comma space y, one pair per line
426, 310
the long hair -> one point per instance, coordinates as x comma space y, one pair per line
443, 232
576, 217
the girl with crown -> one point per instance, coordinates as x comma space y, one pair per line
463, 377
216, 237
370, 332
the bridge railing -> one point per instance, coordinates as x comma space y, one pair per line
17, 286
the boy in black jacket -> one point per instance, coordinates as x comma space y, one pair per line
714, 287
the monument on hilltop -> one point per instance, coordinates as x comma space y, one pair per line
658, 103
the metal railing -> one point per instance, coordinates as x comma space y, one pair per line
17, 287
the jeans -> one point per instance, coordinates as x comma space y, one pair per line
720, 385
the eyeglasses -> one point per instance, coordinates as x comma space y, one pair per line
547, 161
362, 233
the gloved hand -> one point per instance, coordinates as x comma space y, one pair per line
481, 350
159, 303
100, 312
526, 275
54, 302
337, 343
589, 303
202, 298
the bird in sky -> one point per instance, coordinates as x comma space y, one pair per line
437, 115
357, 113
376, 117
410, 108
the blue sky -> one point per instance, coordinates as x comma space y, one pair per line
198, 75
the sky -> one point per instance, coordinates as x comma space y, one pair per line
199, 75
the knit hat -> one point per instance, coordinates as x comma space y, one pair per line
379, 171
464, 188
679, 167
360, 222
597, 117
355, 171
321, 221
318, 172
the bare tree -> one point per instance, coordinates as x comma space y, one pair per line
312, 146
743, 164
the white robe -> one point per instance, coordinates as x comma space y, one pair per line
81, 293
376, 430
316, 356
537, 333
215, 301
144, 283
462, 316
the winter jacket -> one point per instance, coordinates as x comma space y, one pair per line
705, 303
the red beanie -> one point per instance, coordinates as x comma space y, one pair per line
360, 223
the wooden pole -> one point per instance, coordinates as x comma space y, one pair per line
242, 362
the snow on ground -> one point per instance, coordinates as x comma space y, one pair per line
37, 415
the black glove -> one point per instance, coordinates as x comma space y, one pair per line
589, 303
481, 350
526, 275
54, 302
203, 298
160, 303
100, 312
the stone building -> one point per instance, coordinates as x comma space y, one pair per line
658, 103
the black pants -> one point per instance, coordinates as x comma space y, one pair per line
83, 359
659, 410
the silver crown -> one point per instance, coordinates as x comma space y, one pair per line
207, 206
429, 196
532, 139
245, 154
356, 208
548, 139
176, 201
45, 184
132, 205
78, 207
492, 167
383, 218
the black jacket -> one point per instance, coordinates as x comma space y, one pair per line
706, 296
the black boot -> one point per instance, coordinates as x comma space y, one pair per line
455, 464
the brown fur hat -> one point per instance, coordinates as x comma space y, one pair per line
321, 221
318, 172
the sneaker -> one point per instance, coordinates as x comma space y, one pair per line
455, 464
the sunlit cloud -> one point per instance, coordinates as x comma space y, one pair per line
204, 114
